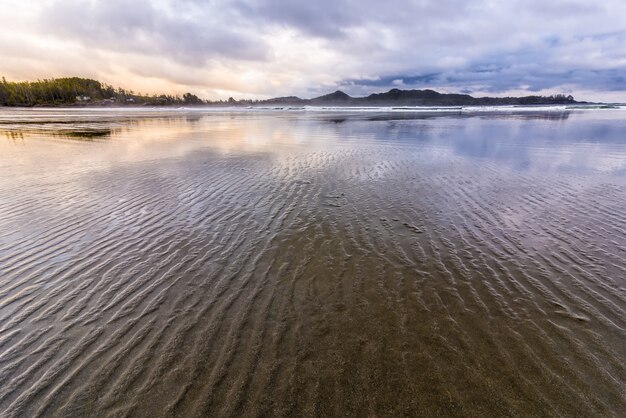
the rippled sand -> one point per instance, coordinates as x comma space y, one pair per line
288, 264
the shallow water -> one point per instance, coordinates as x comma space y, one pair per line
312, 263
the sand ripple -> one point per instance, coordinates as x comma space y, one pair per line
369, 278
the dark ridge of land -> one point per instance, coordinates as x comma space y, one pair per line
397, 97
75, 91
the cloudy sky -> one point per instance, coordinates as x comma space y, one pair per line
265, 48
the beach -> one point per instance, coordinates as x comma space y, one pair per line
312, 263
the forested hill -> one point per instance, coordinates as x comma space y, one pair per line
396, 97
81, 91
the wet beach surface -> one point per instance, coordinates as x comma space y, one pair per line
193, 263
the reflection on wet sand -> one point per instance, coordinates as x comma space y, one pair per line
276, 264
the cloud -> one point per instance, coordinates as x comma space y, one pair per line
263, 48
595, 62
190, 35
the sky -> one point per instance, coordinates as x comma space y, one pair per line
268, 48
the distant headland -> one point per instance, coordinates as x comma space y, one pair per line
84, 92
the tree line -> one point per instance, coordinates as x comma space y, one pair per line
76, 90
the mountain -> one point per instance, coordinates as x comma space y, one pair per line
338, 98
418, 98
397, 97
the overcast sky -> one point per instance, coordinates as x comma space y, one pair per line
263, 48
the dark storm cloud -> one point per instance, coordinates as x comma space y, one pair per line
545, 65
499, 80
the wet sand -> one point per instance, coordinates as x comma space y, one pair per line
296, 264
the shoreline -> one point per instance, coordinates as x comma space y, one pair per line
339, 108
